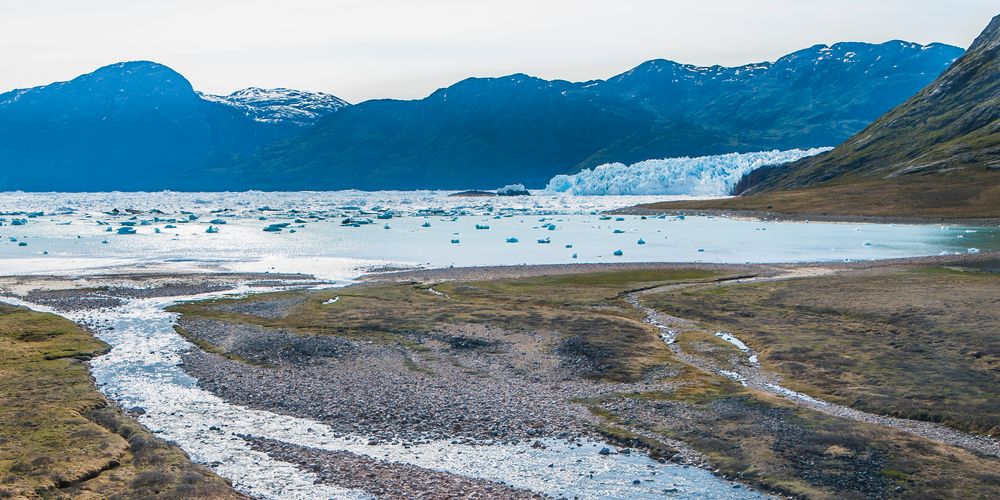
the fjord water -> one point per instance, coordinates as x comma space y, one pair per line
71, 232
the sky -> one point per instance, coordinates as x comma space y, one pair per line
406, 49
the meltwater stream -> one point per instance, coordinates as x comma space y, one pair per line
143, 370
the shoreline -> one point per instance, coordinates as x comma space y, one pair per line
777, 216
530, 270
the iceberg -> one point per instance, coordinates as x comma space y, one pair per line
513, 190
701, 176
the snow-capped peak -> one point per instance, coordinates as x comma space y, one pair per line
280, 105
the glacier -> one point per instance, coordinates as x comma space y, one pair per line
700, 176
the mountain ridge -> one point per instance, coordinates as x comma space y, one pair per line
124, 126
482, 132
935, 155
479, 132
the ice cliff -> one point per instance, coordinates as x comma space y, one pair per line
701, 176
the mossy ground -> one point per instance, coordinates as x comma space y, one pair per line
778, 446
59, 438
585, 310
918, 343
763, 439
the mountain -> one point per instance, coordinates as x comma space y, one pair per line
281, 105
935, 155
133, 126
484, 132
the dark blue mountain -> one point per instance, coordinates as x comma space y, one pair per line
127, 126
484, 132
140, 125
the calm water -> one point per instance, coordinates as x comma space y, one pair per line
73, 233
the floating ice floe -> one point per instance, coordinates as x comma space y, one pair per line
276, 228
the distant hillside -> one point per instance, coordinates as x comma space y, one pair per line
131, 126
937, 154
486, 132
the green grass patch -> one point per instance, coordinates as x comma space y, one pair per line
58, 436
585, 310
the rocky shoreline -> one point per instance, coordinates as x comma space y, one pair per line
777, 216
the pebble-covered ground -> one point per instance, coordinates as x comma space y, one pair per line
387, 480
503, 386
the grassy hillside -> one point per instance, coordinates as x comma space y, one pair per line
59, 438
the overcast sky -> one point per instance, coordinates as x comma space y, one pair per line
407, 48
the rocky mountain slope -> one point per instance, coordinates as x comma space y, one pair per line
281, 105
935, 155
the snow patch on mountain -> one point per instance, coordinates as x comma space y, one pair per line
281, 105
701, 176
